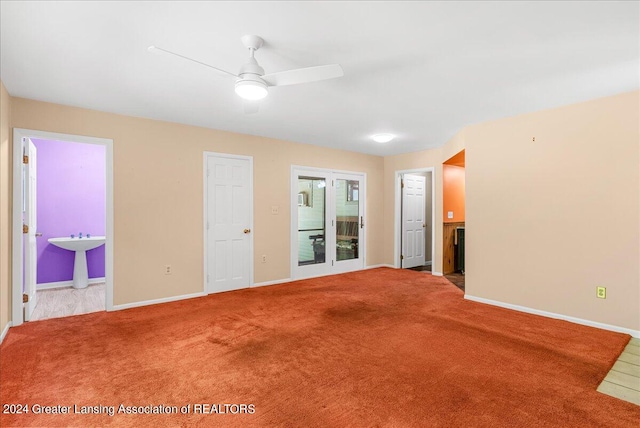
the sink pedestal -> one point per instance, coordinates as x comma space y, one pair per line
80, 246
80, 270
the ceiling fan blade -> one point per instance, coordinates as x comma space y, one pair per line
251, 106
155, 49
304, 75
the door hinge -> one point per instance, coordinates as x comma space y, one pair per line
25, 159
361, 222
25, 298
25, 228
401, 257
331, 262
402, 183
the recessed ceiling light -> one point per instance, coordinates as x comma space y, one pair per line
382, 138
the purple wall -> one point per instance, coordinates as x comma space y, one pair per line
71, 199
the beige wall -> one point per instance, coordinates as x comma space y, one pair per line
548, 221
5, 210
158, 194
561, 215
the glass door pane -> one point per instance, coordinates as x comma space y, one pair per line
347, 231
311, 220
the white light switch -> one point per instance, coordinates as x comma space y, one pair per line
274, 210
449, 214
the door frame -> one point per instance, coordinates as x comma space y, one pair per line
397, 218
330, 206
205, 215
17, 245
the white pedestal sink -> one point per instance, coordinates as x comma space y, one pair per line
80, 246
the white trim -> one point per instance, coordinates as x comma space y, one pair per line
5, 331
634, 333
285, 280
385, 265
205, 253
327, 170
62, 284
205, 156
323, 269
437, 274
158, 301
397, 218
16, 280
267, 283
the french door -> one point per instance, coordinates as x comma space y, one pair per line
327, 222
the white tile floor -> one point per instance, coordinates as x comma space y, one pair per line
63, 302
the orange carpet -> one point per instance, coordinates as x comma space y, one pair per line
383, 348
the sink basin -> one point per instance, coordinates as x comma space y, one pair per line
80, 246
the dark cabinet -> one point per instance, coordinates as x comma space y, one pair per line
459, 244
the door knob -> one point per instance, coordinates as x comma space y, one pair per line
247, 231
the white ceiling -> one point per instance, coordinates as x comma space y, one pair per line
421, 70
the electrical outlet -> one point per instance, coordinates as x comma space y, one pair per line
264, 258
167, 270
601, 292
274, 210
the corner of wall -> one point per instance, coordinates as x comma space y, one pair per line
5, 210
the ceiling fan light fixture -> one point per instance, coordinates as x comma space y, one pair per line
382, 138
251, 89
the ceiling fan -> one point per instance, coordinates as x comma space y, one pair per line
252, 83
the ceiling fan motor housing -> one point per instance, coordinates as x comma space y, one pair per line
251, 67
249, 84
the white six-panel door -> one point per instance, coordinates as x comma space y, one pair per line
413, 222
30, 219
228, 222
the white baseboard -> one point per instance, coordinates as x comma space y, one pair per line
61, 284
380, 266
285, 280
277, 281
634, 333
5, 331
437, 274
157, 301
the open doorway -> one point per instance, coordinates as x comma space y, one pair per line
453, 229
414, 231
62, 225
